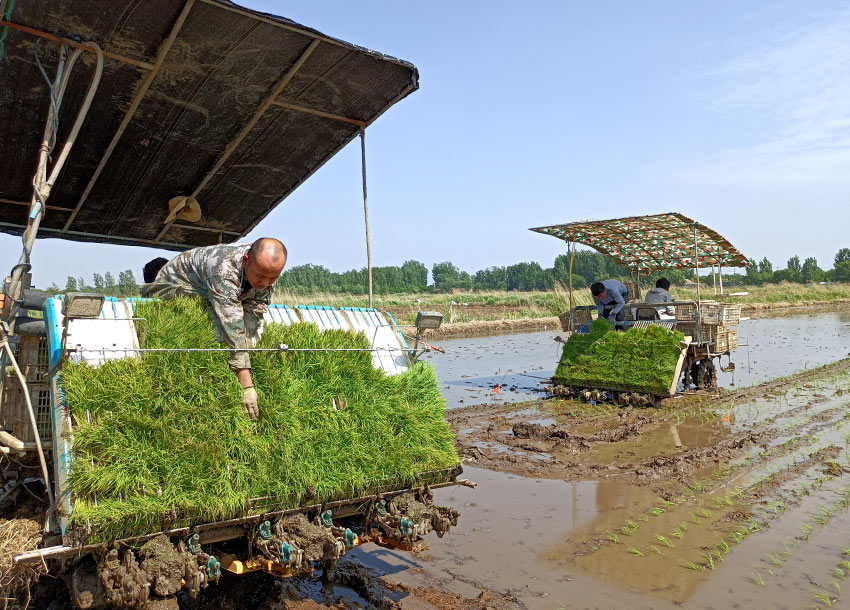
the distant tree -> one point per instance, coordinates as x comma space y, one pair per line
448, 277
842, 256
99, 284
415, 276
524, 276
81, 284
793, 269
71, 284
765, 266
491, 278
127, 283
109, 281
841, 272
810, 272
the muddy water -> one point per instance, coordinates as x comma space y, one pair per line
771, 347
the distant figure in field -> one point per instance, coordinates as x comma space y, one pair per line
236, 281
609, 296
661, 294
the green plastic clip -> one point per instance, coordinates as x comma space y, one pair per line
381, 507
265, 530
350, 537
213, 568
193, 543
285, 552
326, 518
404, 526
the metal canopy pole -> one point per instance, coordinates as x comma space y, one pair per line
699, 298
366, 211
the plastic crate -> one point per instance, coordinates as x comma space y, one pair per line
726, 341
32, 357
723, 314
710, 332
580, 316
686, 313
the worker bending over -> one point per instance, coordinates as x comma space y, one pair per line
661, 294
236, 281
609, 296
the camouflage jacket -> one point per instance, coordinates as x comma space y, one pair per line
216, 274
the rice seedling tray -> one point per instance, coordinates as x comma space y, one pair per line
160, 442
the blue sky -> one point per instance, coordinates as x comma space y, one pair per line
734, 113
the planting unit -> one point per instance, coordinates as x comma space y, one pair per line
647, 244
228, 111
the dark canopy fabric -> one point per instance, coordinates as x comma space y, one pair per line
221, 68
650, 243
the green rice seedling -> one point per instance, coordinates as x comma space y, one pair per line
709, 560
644, 518
695, 520
612, 536
656, 510
845, 565
632, 524
723, 546
692, 566
776, 560
756, 578
634, 551
697, 486
595, 359
167, 435
683, 526
837, 587
823, 597
654, 549
663, 540
677, 533
838, 572
805, 530
626, 530
705, 513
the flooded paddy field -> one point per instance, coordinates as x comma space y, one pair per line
734, 499
771, 346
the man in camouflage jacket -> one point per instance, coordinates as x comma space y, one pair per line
236, 281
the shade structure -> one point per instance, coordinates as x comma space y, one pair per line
644, 244
198, 98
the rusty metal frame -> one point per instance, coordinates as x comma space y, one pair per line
160, 59
27, 204
73, 43
243, 133
321, 113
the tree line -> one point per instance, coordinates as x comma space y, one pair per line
762, 272
413, 276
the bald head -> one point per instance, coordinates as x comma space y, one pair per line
264, 262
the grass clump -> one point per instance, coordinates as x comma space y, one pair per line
638, 360
164, 438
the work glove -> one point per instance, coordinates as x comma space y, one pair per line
249, 402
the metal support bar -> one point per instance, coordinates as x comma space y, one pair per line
129, 240
131, 111
73, 43
366, 211
27, 204
243, 133
321, 113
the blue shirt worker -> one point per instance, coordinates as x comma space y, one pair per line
609, 296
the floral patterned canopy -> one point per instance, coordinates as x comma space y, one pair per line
649, 243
